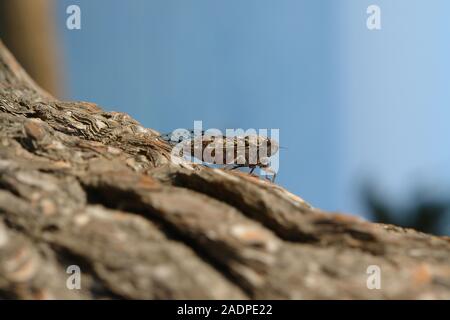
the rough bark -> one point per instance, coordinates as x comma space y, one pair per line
82, 186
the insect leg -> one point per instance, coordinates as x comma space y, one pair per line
271, 171
232, 166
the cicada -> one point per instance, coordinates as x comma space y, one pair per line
231, 152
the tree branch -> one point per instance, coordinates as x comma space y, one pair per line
81, 186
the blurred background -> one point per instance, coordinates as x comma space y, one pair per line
364, 114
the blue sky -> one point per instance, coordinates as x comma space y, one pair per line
351, 104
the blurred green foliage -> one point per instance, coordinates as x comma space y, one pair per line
422, 213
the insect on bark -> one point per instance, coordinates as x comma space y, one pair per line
232, 152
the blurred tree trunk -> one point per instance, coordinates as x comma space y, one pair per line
82, 187
28, 28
